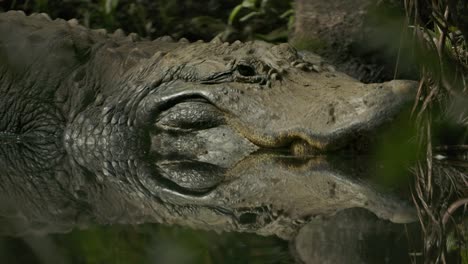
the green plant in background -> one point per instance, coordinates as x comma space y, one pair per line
178, 18
269, 20
247, 4
109, 6
257, 8
41, 4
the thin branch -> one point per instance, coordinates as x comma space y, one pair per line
452, 208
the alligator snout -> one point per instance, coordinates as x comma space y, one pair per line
211, 125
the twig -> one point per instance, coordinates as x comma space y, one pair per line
452, 208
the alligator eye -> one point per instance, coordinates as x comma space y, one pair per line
245, 70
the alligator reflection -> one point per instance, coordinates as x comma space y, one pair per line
266, 194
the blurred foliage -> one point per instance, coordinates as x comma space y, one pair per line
148, 243
178, 18
394, 151
457, 240
192, 19
262, 19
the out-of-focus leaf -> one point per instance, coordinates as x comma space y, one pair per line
249, 3
280, 34
234, 13
110, 6
286, 14
249, 16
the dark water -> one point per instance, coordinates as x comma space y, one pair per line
146, 243
371, 242
269, 208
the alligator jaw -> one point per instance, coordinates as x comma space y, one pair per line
304, 118
320, 118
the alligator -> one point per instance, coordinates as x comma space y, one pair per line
228, 135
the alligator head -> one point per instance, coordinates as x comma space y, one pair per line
176, 120
230, 98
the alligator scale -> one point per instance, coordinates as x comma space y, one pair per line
206, 133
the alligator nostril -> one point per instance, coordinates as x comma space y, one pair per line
302, 148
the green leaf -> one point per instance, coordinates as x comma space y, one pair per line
234, 13
286, 14
249, 3
279, 34
249, 16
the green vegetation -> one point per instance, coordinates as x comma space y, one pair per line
230, 19
438, 193
263, 19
